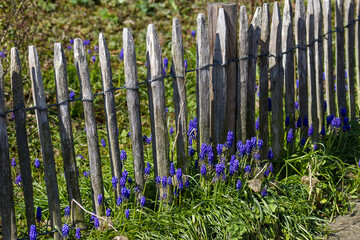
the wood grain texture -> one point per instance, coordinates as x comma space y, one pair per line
319, 60
287, 43
220, 80
202, 75
328, 59
350, 55
91, 126
254, 39
133, 104
66, 134
242, 85
340, 58
230, 10
6, 194
21, 135
180, 103
264, 79
277, 83
301, 57
357, 51
154, 61
312, 98
38, 93
110, 110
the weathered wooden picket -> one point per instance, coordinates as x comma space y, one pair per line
226, 97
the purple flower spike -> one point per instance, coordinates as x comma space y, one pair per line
96, 223
238, 184
108, 212
103, 142
72, 95
142, 201
121, 55
38, 214
13, 162
166, 63
193, 33
33, 232
67, 211
185, 64
203, 169
65, 230
257, 124
100, 199
78, 233
93, 58
127, 213
18, 180
264, 192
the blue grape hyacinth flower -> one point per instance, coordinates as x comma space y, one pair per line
264, 192
38, 214
127, 213
32, 232
65, 230
67, 211
290, 136
142, 201
121, 55
108, 212
103, 142
193, 33
78, 233
270, 154
238, 184
203, 169
13, 162
100, 199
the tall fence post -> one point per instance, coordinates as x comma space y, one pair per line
350, 54
38, 93
66, 134
300, 40
202, 76
243, 75
161, 134
111, 121
180, 103
277, 83
82, 68
220, 79
230, 11
6, 194
287, 43
21, 135
328, 59
254, 38
340, 58
313, 117
264, 78
357, 50
318, 29
133, 104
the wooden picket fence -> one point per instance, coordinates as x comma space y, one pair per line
228, 52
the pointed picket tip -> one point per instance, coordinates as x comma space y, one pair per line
265, 22
221, 35
276, 16
243, 14
310, 7
79, 50
59, 58
256, 20
300, 11
288, 8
